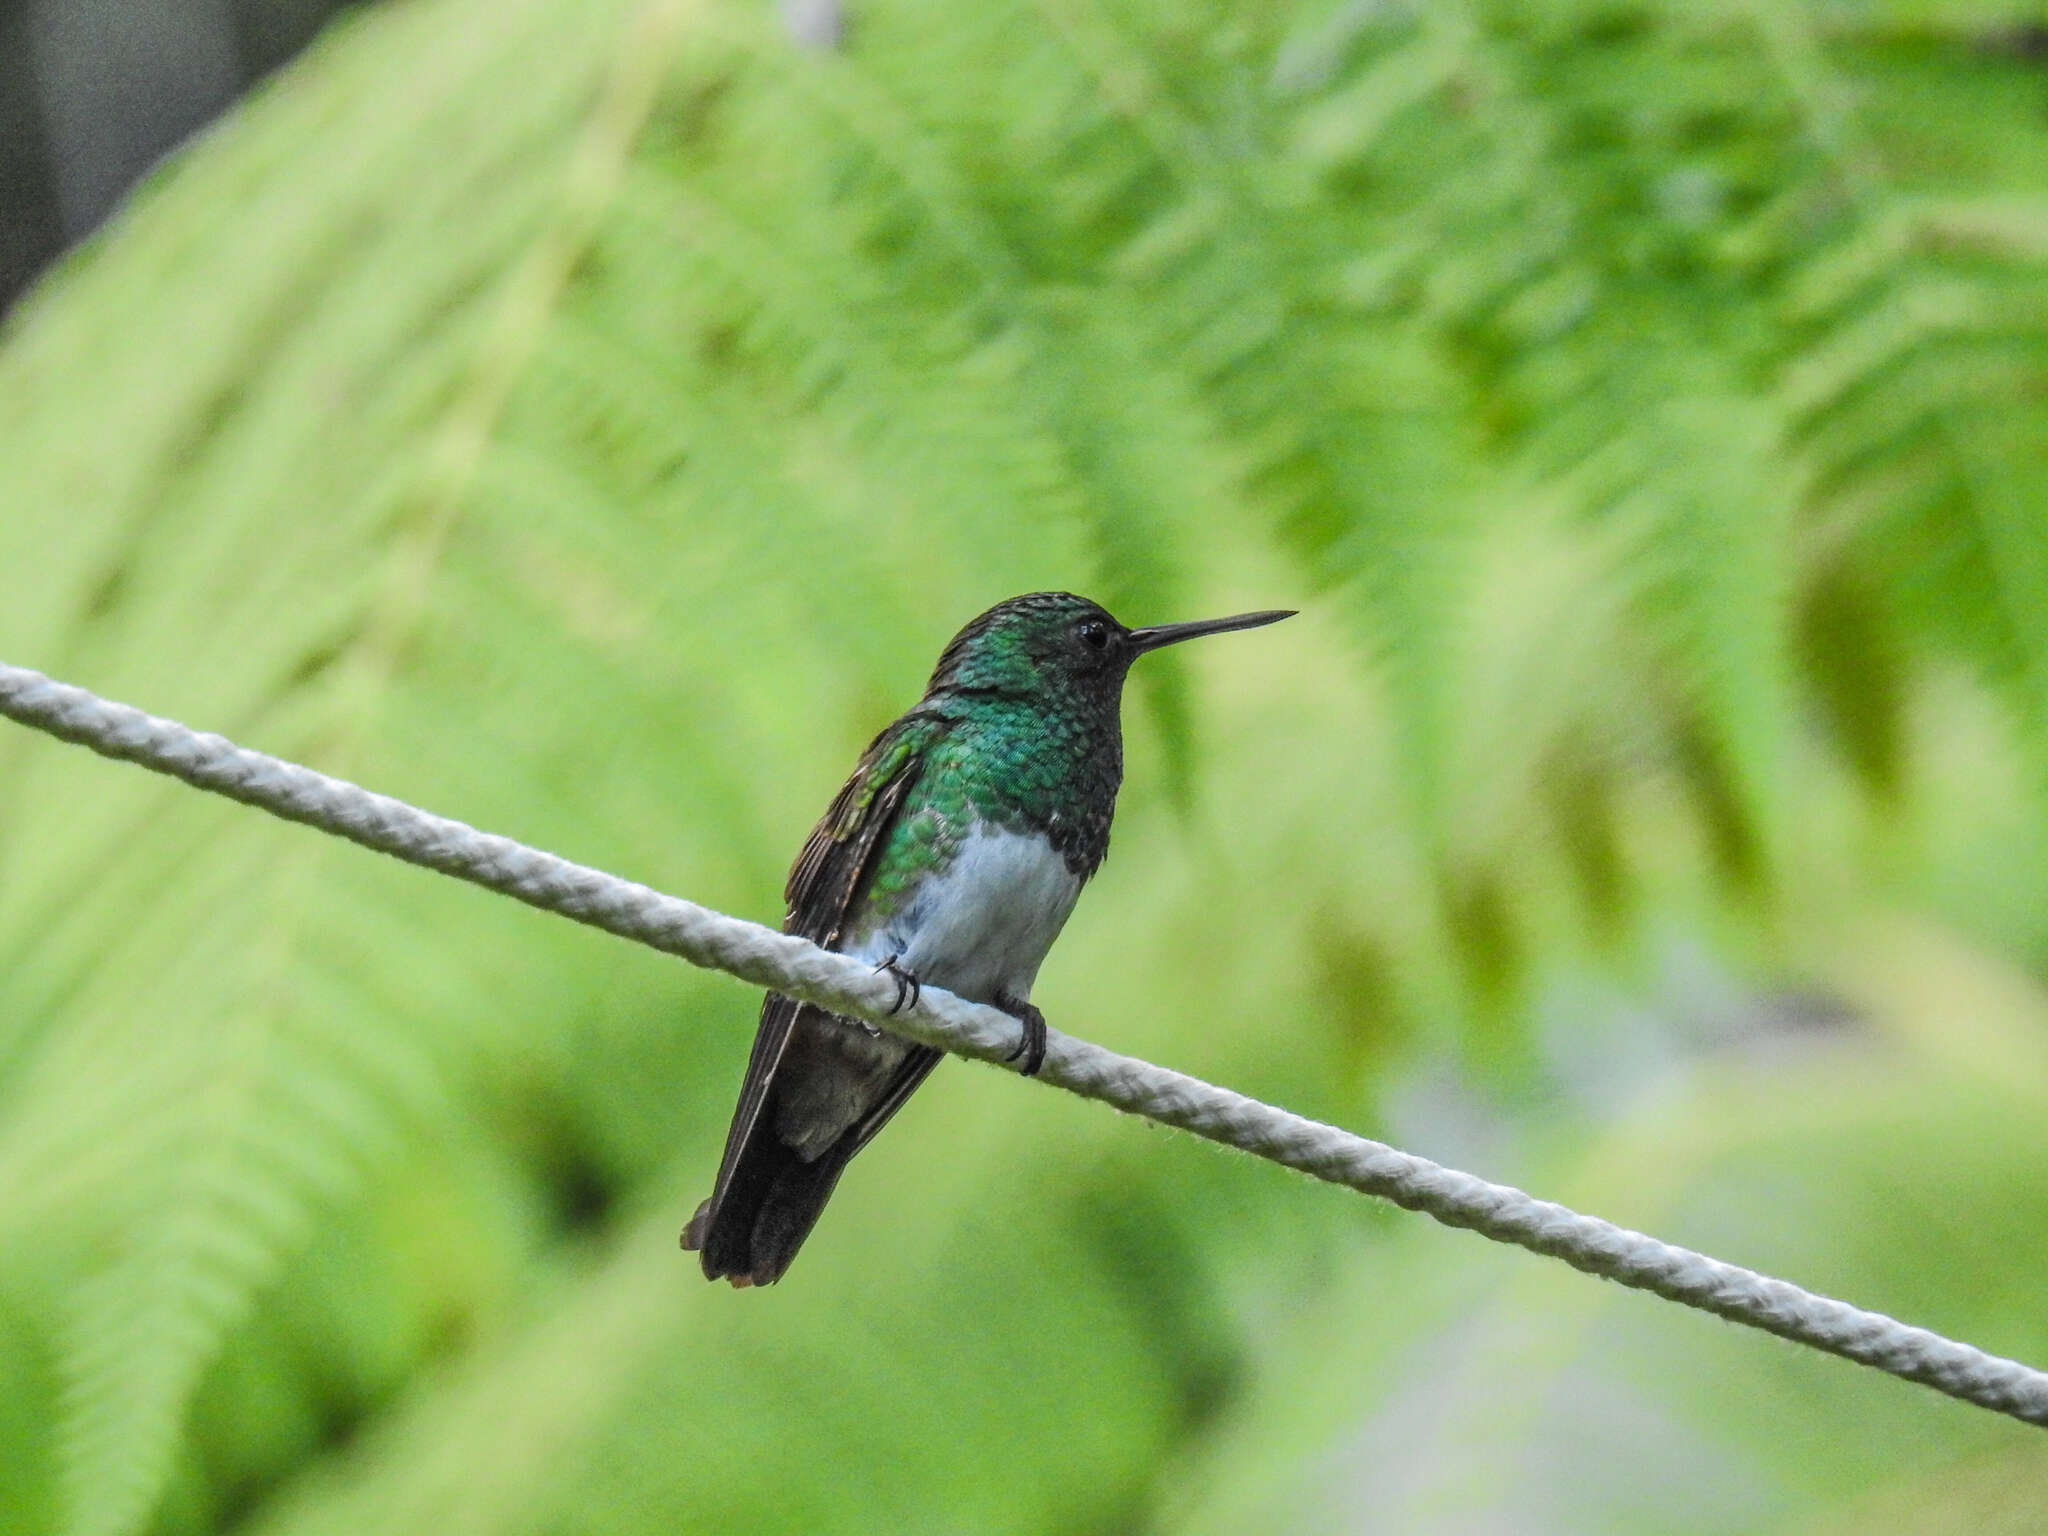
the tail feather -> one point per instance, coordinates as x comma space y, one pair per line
769, 1195
752, 1233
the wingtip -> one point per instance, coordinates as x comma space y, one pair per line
692, 1239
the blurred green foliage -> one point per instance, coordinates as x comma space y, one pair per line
589, 420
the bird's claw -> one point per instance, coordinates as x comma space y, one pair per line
1031, 1042
908, 988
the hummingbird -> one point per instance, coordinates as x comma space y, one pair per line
951, 857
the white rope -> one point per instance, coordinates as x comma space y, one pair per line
800, 969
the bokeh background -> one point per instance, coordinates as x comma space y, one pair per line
590, 417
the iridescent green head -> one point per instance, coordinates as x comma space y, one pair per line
1055, 645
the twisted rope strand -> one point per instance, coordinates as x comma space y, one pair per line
799, 969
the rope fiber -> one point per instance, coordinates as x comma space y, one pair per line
794, 966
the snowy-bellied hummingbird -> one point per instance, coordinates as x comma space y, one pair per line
950, 858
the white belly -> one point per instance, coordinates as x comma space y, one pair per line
982, 925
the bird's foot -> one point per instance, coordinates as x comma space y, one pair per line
908, 987
1031, 1044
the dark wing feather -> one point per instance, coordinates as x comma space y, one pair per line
842, 847
827, 876
911, 1071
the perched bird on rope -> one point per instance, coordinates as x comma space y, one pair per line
951, 857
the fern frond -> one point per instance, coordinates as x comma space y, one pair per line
596, 436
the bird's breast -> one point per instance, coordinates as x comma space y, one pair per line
982, 923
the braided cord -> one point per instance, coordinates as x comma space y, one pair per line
795, 967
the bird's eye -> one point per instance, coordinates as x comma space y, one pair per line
1094, 634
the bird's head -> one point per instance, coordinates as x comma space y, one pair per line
1054, 643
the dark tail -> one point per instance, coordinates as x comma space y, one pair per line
768, 1197
751, 1235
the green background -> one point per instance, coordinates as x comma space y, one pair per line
590, 419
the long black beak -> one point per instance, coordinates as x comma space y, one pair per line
1142, 640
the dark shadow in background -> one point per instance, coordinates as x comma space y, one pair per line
95, 92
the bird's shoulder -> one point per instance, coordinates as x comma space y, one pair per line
843, 847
